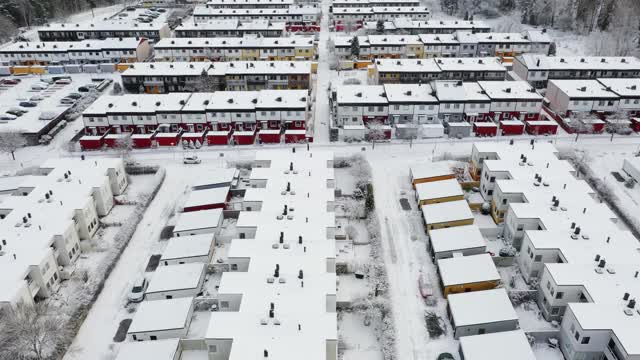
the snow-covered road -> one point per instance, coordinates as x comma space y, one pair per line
321, 125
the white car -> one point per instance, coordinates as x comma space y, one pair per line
6, 117
67, 101
193, 159
137, 291
64, 81
36, 98
47, 115
39, 86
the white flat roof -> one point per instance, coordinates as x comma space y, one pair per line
456, 238
210, 196
361, 94
543, 62
481, 307
577, 89
446, 212
161, 315
195, 220
623, 87
506, 345
467, 269
509, 90
176, 277
216, 177
438, 189
430, 170
157, 350
409, 93
188, 246
407, 65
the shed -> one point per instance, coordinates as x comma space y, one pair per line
244, 137
467, 240
422, 173
112, 140
176, 281
438, 192
428, 131
206, 199
295, 136
142, 141
459, 129
218, 137
541, 127
161, 319
188, 249
481, 312
447, 214
216, 178
193, 137
485, 128
91, 142
468, 273
198, 222
506, 345
168, 349
167, 138
511, 127
269, 136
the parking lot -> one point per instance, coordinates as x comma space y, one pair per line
30, 103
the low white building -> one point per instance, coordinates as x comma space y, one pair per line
575, 96
434, 192
169, 349
176, 281
481, 312
218, 178
188, 249
198, 222
461, 274
411, 103
466, 240
161, 319
447, 214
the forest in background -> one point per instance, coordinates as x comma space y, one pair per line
15, 14
612, 26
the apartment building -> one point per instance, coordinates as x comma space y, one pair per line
280, 259
230, 28
628, 91
461, 102
539, 69
236, 49
357, 16
567, 97
45, 221
512, 100
127, 26
403, 71
411, 103
360, 104
418, 27
198, 112
297, 18
116, 50
163, 77
365, 3
250, 4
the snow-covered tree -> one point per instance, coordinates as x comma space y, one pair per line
204, 83
355, 47
117, 89
10, 141
578, 123
375, 132
123, 146
380, 26
31, 332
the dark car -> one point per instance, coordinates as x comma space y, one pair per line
83, 89
11, 81
17, 113
74, 96
28, 104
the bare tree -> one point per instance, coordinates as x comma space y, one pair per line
618, 123
579, 123
375, 132
10, 141
123, 146
31, 332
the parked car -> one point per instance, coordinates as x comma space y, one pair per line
36, 98
67, 101
193, 159
39, 86
28, 104
17, 111
10, 82
137, 291
74, 96
83, 89
47, 115
7, 116
63, 82
47, 80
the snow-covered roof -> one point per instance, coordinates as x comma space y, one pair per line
308, 221
282, 99
224, 176
393, 40
188, 247
626, 88
481, 307
438, 39
467, 270
267, 67
197, 102
235, 42
509, 90
430, 170
128, 23
433, 190
450, 91
176, 277
470, 64
166, 349
230, 12
360, 94
407, 65
159, 315
30, 243
491, 38
535, 62
233, 100
168, 68
505, 345
75, 46
409, 94
217, 195
248, 2
538, 36
196, 220
232, 25
456, 238
380, 10
404, 23
583, 89
446, 212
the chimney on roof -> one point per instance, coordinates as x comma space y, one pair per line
300, 238
281, 237
597, 257
538, 62
300, 274
286, 210
625, 296
602, 263
276, 272
507, 90
577, 230
288, 186
632, 303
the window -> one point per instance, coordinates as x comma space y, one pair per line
559, 295
492, 179
234, 267
213, 348
153, 337
520, 227
577, 336
490, 192
538, 258
224, 304
585, 340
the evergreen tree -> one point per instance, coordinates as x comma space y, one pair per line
380, 26
604, 20
355, 47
